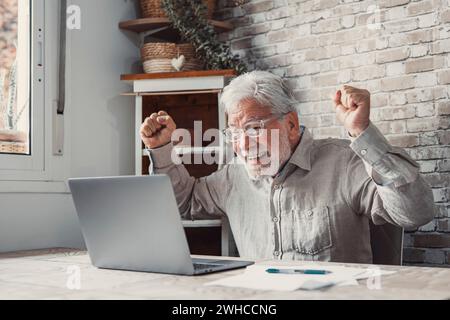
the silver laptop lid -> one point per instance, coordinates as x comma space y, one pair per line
132, 223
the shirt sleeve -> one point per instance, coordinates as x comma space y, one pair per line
202, 198
385, 182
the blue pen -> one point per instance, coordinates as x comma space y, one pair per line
298, 271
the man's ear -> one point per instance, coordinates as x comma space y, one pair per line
293, 123
293, 127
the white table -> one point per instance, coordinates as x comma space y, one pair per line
45, 274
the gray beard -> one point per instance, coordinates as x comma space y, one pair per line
285, 153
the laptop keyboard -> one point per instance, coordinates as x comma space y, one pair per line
203, 266
210, 264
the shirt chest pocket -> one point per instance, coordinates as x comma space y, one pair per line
311, 230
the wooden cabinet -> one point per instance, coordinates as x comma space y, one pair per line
188, 97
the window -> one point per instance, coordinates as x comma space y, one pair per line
15, 77
22, 81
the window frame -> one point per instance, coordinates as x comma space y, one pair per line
40, 171
34, 161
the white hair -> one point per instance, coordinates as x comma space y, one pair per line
265, 88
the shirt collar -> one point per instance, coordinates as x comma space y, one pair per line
301, 157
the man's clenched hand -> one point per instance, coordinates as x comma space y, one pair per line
156, 131
353, 109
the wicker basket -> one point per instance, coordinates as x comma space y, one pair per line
157, 57
153, 8
187, 50
158, 50
158, 65
165, 65
14, 147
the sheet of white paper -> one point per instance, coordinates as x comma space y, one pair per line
256, 277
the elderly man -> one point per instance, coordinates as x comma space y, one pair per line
317, 203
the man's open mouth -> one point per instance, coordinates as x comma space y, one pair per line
260, 158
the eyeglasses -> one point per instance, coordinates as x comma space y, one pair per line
252, 129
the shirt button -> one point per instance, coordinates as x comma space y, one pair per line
275, 219
277, 186
276, 253
363, 152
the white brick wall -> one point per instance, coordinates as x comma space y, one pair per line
397, 49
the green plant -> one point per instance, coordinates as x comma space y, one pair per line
189, 17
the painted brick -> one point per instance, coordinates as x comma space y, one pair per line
443, 225
409, 38
253, 30
435, 256
305, 42
425, 110
397, 83
444, 77
432, 152
279, 13
429, 227
279, 35
256, 7
420, 7
426, 79
428, 20
395, 69
241, 44
443, 165
328, 25
441, 46
398, 26
379, 100
419, 124
413, 255
392, 55
348, 21
419, 50
438, 180
368, 72
419, 65
428, 138
392, 3
324, 133
324, 4
404, 140
423, 95
432, 240
395, 113
445, 16
444, 136
441, 194
427, 166
325, 80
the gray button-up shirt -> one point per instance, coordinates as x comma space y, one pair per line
318, 207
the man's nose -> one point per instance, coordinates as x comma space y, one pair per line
246, 143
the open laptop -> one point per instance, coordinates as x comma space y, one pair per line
133, 223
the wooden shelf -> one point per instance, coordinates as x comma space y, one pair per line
174, 93
202, 223
180, 74
147, 24
192, 150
